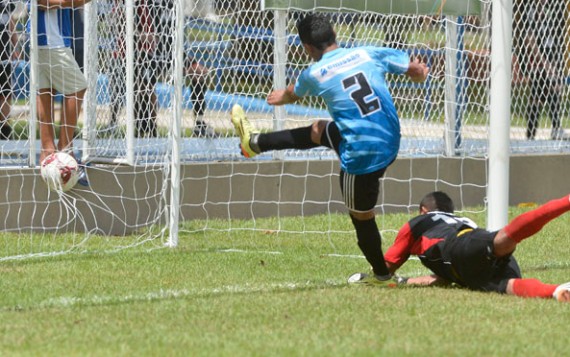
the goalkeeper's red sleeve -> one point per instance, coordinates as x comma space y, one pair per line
531, 222
533, 288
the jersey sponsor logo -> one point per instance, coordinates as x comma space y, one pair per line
349, 61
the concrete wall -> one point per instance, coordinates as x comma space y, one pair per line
124, 199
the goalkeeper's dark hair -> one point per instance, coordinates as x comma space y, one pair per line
437, 201
316, 29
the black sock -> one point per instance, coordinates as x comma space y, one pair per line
370, 243
299, 138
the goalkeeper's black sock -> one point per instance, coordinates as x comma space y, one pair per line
370, 243
299, 138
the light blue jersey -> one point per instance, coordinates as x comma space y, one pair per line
353, 85
54, 28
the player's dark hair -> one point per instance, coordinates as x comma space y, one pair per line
316, 30
437, 201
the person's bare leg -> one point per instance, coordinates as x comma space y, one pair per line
45, 116
317, 130
503, 245
70, 112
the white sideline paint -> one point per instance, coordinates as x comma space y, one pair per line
344, 256
231, 250
70, 301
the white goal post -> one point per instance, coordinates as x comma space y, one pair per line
500, 112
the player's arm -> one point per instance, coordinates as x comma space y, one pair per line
399, 252
51, 4
417, 71
283, 96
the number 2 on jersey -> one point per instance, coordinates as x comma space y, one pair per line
367, 104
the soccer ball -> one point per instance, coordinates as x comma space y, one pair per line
60, 171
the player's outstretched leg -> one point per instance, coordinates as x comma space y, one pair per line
534, 288
528, 224
244, 129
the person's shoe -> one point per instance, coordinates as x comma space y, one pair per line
244, 129
559, 134
562, 293
371, 279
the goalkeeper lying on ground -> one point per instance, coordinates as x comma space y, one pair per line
456, 251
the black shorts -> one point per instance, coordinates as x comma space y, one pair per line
475, 266
360, 192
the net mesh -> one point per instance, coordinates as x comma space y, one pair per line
540, 44
228, 50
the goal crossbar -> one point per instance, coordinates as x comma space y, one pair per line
449, 7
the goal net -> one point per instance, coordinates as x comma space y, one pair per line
163, 158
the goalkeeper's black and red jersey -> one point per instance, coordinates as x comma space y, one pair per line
425, 236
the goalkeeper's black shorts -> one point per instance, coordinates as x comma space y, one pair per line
474, 265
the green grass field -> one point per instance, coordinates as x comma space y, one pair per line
262, 293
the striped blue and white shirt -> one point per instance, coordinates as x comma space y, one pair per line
54, 28
353, 85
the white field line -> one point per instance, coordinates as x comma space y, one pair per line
169, 294
357, 256
232, 250
334, 255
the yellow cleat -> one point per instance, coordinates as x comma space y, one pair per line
244, 129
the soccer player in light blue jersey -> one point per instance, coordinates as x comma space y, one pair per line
365, 131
